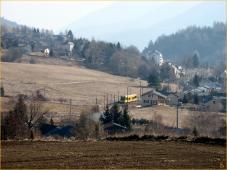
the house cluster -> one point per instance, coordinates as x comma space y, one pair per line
206, 101
205, 89
62, 46
158, 58
178, 70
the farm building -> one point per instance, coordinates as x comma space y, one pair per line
153, 97
173, 98
114, 127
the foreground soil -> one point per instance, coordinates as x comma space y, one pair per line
111, 154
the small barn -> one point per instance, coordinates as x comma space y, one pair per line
173, 99
153, 97
114, 127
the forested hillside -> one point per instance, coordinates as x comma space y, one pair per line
208, 42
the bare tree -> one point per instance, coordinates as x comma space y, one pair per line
34, 115
23, 118
82, 128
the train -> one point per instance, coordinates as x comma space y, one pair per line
129, 98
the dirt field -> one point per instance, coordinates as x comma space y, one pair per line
116, 154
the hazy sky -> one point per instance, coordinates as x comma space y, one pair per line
58, 14
49, 14
135, 22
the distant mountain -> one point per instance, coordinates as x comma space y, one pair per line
209, 43
8, 23
137, 24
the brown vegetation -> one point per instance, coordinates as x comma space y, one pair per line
80, 84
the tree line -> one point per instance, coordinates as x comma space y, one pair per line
206, 42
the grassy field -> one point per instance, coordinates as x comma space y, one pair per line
82, 85
168, 114
106, 154
79, 84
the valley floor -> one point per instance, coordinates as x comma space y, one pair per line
111, 154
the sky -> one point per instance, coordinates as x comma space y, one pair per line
131, 23
49, 14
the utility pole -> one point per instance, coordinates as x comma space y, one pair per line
107, 102
96, 104
118, 96
104, 102
44, 92
96, 101
127, 96
111, 98
114, 98
140, 89
177, 113
70, 107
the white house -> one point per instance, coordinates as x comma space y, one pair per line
178, 70
158, 57
46, 52
70, 46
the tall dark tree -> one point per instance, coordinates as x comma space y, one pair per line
70, 35
126, 119
106, 117
2, 91
14, 121
116, 112
118, 45
116, 115
51, 52
196, 80
196, 99
154, 80
195, 60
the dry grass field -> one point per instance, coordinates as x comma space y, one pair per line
40, 58
79, 84
82, 85
168, 114
116, 154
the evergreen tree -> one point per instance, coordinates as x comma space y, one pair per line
51, 52
51, 121
115, 111
195, 60
196, 80
70, 35
2, 92
106, 117
126, 119
154, 80
185, 99
118, 45
14, 121
196, 99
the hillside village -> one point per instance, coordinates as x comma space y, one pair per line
168, 84
113, 85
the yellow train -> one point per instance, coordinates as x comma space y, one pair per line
128, 98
